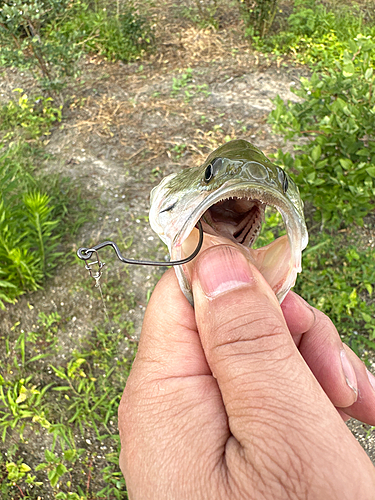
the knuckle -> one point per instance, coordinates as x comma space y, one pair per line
249, 334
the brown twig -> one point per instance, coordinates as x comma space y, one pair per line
12, 34
135, 154
22, 493
89, 477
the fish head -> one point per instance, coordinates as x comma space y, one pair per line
228, 193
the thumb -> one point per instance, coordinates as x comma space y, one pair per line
247, 344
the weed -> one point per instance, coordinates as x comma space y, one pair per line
179, 150
202, 14
347, 275
79, 397
187, 83
183, 81
121, 36
34, 213
18, 471
28, 117
28, 234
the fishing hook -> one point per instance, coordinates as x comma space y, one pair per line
86, 253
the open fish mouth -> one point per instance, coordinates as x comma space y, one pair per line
238, 219
234, 215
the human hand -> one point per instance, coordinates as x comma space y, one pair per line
220, 402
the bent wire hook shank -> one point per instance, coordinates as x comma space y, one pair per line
86, 253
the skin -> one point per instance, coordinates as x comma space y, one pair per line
240, 398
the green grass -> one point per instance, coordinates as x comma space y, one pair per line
75, 402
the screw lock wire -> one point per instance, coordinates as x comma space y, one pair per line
86, 254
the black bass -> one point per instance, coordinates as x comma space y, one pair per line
229, 194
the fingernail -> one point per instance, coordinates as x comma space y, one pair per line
221, 269
349, 372
371, 379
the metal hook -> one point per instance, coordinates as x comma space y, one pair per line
86, 253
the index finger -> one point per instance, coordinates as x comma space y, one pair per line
323, 350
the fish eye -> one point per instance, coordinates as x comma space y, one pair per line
209, 173
283, 178
212, 168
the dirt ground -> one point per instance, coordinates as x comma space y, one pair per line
128, 126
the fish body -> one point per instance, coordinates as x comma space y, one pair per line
228, 193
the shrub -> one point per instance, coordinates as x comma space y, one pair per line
123, 36
315, 35
336, 169
30, 117
203, 13
25, 42
338, 278
49, 36
258, 15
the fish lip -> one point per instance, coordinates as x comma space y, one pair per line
258, 192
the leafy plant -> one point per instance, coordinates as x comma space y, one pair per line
48, 37
122, 36
336, 168
18, 471
202, 13
187, 83
30, 117
347, 276
315, 35
74, 398
24, 40
31, 221
27, 243
34, 214
258, 15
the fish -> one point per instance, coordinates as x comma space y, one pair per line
228, 194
